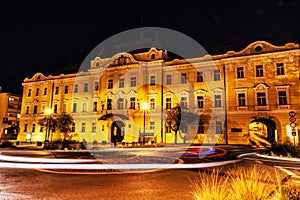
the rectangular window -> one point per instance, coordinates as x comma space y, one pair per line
132, 103
73, 127
168, 79
218, 101
74, 108
279, 69
282, 99
219, 127
242, 99
183, 102
86, 87
152, 80
199, 76
96, 86
25, 127
259, 71
95, 106
120, 103
64, 108
27, 110
168, 129
261, 99
45, 91
56, 90
183, 77
200, 127
240, 72
83, 127
109, 104
66, 89
217, 75
84, 107
110, 84
132, 81
33, 128
75, 88
41, 128
55, 108
121, 83
200, 101
152, 104
37, 92
29, 93
35, 109
152, 125
168, 103
93, 127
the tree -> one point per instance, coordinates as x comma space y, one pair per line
64, 123
50, 122
173, 119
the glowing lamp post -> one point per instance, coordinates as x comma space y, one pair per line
144, 108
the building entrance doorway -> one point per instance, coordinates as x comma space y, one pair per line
117, 132
262, 131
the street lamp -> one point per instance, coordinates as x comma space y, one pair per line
48, 113
144, 108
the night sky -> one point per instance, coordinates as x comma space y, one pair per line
37, 36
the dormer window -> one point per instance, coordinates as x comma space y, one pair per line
152, 56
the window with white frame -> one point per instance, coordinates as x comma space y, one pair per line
83, 127
169, 79
132, 103
218, 100
84, 107
261, 99
168, 103
200, 101
110, 84
152, 125
200, 77
240, 72
132, 81
261, 95
120, 103
200, 127
121, 83
219, 127
86, 87
152, 80
259, 69
93, 127
74, 109
152, 103
279, 69
217, 75
96, 86
282, 98
183, 77
183, 102
282, 95
241, 99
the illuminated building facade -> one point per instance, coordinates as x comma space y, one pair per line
226, 98
10, 109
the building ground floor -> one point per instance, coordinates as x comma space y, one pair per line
261, 128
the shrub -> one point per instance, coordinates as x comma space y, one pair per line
251, 183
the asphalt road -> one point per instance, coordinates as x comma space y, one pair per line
161, 185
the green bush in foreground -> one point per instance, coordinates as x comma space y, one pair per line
251, 183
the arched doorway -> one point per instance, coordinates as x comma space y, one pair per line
264, 129
117, 132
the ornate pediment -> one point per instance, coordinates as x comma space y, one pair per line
122, 59
258, 47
